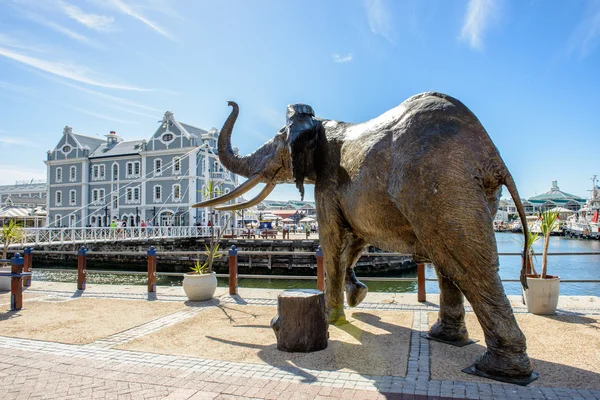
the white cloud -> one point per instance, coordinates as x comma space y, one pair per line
126, 9
69, 71
586, 35
10, 42
61, 29
477, 19
11, 140
98, 115
342, 59
380, 19
9, 174
92, 21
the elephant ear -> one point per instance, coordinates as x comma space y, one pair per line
303, 147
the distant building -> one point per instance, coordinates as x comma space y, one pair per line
288, 209
93, 181
24, 202
545, 201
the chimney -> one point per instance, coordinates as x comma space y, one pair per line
112, 138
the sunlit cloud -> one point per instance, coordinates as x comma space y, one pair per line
10, 42
11, 140
92, 21
342, 59
477, 19
126, 9
380, 19
586, 36
69, 71
61, 29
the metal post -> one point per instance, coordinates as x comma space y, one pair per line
233, 270
16, 286
81, 268
421, 294
28, 257
152, 270
320, 270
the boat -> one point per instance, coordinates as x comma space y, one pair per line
585, 223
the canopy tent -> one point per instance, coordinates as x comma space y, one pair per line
286, 220
561, 210
307, 219
26, 216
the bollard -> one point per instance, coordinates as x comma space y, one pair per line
16, 286
28, 257
320, 270
81, 268
421, 294
233, 270
151, 270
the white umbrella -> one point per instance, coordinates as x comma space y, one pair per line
307, 219
561, 210
287, 220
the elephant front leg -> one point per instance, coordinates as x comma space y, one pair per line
450, 326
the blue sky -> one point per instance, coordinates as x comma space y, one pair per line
530, 70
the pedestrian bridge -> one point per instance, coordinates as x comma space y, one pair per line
55, 236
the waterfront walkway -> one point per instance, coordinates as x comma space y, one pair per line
116, 342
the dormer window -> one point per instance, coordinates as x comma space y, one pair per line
66, 149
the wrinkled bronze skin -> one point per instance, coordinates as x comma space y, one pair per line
423, 178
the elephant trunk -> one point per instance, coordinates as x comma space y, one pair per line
233, 162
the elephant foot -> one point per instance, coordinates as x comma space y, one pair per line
336, 316
355, 292
504, 366
449, 332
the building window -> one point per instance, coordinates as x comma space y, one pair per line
129, 196
177, 192
132, 195
115, 175
157, 194
167, 137
66, 149
133, 169
158, 166
58, 175
98, 196
136, 194
57, 219
98, 172
58, 198
73, 174
115, 202
72, 197
176, 165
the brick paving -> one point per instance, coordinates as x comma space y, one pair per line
48, 370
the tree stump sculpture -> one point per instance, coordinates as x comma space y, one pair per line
301, 324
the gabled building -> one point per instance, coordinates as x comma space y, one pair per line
556, 198
93, 181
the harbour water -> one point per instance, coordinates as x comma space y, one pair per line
567, 267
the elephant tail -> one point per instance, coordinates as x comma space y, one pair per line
514, 193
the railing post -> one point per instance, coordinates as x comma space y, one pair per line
421, 294
320, 270
151, 270
28, 263
81, 268
233, 270
16, 286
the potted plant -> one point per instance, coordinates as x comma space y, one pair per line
201, 283
11, 232
542, 295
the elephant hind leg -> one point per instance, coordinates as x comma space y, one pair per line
356, 291
450, 325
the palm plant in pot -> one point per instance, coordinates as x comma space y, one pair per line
201, 283
541, 296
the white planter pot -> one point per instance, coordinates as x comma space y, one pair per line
4, 280
199, 287
542, 296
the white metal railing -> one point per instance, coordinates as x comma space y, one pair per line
47, 236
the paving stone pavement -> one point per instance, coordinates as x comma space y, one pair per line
48, 370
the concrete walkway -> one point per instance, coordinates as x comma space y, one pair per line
44, 369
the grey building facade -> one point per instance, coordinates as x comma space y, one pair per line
93, 181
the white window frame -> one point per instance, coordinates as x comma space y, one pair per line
115, 164
176, 165
154, 197
167, 142
57, 219
178, 198
98, 196
158, 171
129, 196
72, 197
58, 175
98, 172
137, 169
58, 198
73, 173
137, 194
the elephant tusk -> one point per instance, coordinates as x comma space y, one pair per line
261, 196
238, 191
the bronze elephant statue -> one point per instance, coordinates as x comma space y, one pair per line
424, 178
